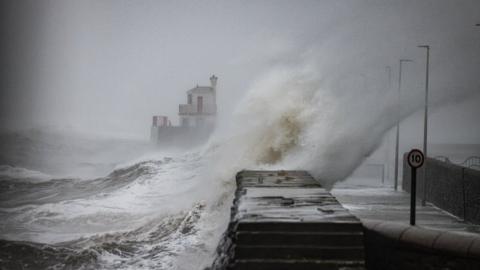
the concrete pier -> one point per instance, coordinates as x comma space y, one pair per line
286, 220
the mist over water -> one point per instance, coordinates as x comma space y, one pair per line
313, 95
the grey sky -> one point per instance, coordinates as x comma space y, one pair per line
107, 66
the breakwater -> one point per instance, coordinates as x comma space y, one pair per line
286, 220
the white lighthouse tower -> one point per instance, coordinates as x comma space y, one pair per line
197, 119
201, 107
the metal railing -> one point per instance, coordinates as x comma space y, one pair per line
371, 170
443, 158
189, 109
472, 162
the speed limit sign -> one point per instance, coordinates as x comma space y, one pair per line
415, 158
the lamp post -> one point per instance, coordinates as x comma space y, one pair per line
397, 140
388, 69
425, 125
389, 74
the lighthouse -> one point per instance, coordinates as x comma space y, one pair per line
197, 118
201, 107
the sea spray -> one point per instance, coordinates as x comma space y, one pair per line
294, 118
289, 119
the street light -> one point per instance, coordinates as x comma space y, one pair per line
397, 140
388, 69
425, 125
389, 74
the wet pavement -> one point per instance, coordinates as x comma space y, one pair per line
385, 204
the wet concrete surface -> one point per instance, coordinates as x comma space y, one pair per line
385, 204
286, 220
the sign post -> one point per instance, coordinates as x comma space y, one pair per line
415, 159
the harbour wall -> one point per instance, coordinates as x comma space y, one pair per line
396, 246
179, 136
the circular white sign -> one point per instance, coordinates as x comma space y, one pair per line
415, 158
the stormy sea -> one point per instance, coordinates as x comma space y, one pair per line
74, 200
69, 202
